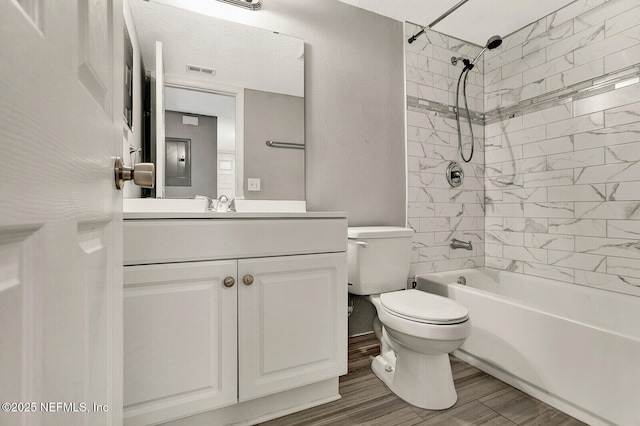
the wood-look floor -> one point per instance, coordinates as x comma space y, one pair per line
482, 400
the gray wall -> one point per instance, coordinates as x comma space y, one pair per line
203, 154
354, 106
273, 116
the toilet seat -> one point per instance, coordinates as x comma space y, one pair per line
422, 307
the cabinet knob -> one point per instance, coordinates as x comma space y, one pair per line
247, 279
229, 282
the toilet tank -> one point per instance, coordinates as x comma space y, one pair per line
379, 259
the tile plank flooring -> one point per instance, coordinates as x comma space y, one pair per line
482, 400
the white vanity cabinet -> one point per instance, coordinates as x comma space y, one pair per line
180, 335
257, 310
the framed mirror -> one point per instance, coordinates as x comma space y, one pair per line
193, 59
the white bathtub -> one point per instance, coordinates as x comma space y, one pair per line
574, 347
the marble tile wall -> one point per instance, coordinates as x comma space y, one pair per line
562, 180
436, 211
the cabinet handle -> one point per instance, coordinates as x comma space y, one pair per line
229, 282
247, 279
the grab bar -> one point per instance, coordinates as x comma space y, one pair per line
291, 145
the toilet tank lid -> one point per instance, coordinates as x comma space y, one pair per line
378, 232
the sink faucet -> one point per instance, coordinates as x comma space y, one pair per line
457, 244
209, 201
223, 204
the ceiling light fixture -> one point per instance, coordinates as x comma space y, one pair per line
246, 4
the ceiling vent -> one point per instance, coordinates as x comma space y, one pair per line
202, 70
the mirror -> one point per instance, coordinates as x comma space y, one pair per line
244, 84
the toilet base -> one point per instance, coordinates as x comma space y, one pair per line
422, 380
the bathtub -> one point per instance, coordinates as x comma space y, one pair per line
576, 348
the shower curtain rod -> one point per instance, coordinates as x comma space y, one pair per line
444, 15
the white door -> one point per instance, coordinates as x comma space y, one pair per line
159, 124
61, 121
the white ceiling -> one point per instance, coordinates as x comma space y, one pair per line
475, 21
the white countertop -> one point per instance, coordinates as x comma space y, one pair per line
163, 208
233, 215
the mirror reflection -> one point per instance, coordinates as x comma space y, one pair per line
217, 92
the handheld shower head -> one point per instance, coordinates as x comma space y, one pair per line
494, 42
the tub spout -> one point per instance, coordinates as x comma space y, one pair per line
457, 244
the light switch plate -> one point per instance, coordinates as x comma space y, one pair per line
253, 184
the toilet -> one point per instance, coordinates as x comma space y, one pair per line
417, 330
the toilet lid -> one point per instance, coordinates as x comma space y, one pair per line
420, 306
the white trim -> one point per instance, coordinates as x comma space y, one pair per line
224, 89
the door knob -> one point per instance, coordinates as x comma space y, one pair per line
247, 280
229, 282
142, 174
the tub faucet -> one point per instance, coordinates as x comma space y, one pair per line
457, 244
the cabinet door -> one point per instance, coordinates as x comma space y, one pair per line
180, 340
292, 322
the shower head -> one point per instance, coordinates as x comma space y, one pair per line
494, 42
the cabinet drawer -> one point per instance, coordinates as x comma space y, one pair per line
163, 241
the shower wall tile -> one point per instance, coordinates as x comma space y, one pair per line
582, 223
549, 210
622, 21
608, 173
621, 266
553, 35
609, 210
568, 160
576, 125
527, 62
436, 211
622, 59
556, 192
546, 179
627, 153
608, 10
624, 114
595, 192
623, 229
608, 281
545, 116
569, 12
615, 43
570, 259
549, 241
575, 75
584, 227
568, 43
611, 135
617, 247
612, 99
548, 147
622, 191
549, 271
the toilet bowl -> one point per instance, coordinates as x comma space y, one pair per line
417, 330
